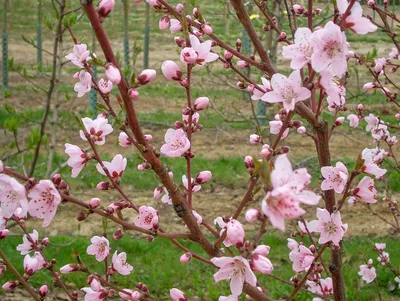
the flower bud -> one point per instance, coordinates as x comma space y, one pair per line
378, 68
203, 177
235, 233
266, 151
249, 163
56, 179
66, 269
351, 54
179, 41
283, 35
179, 7
242, 64
144, 166
240, 85
177, 295
94, 203
339, 121
45, 241
397, 116
254, 139
105, 8
371, 3
163, 24
146, 76
9, 285
113, 74
118, 234
185, 258
228, 56
201, 103
171, 70
360, 107
301, 130
3, 268
179, 124
298, 9
103, 185
4, 233
82, 215
252, 215
238, 44
43, 291
207, 29
250, 88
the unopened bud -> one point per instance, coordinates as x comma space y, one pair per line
339, 121
103, 185
133, 93
56, 179
301, 130
43, 291
185, 258
94, 203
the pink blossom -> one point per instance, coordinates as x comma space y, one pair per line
199, 53
300, 52
115, 168
85, 83
355, 21
380, 247
266, 86
146, 76
288, 192
171, 70
329, 226
120, 265
353, 120
95, 292
314, 287
166, 199
252, 215
198, 217
366, 191
394, 54
194, 187
367, 271
287, 90
326, 286
176, 143
331, 48
371, 163
235, 233
124, 140
133, 296
384, 258
302, 259
105, 8
207, 29
259, 261
334, 89
100, 247
275, 127
113, 74
175, 26
12, 196
195, 118
105, 86
45, 199
34, 263
27, 246
372, 122
147, 219
201, 103
163, 24
98, 129
335, 177
77, 158
79, 55
177, 295
237, 270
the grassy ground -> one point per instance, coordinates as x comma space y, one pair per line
195, 278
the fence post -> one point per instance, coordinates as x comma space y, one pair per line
126, 38
146, 38
4, 48
39, 36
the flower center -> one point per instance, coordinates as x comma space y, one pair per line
332, 48
148, 219
330, 227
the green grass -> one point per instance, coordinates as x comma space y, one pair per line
157, 265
